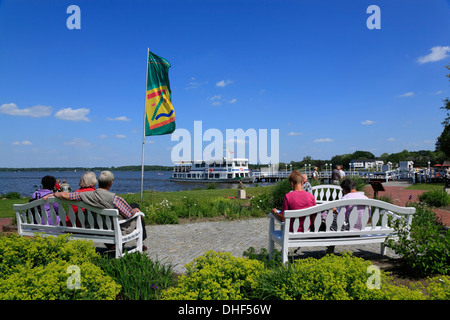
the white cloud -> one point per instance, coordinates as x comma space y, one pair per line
407, 94
218, 97
223, 83
295, 133
367, 122
73, 114
122, 118
390, 139
194, 84
37, 111
78, 143
437, 53
23, 143
234, 100
437, 92
324, 140
118, 136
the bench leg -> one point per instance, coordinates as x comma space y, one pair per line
271, 247
383, 249
285, 252
119, 250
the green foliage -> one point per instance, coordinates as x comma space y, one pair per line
425, 249
211, 186
37, 268
12, 195
139, 277
435, 198
166, 212
217, 276
438, 288
281, 188
330, 278
263, 201
220, 276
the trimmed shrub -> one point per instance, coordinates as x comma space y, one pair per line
216, 276
330, 278
39, 269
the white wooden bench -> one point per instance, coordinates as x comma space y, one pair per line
344, 234
327, 192
98, 225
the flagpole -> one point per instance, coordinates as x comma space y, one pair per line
143, 133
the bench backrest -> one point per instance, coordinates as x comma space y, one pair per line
326, 192
351, 213
93, 220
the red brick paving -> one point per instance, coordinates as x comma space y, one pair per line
400, 196
5, 222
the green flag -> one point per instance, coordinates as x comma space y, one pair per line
159, 112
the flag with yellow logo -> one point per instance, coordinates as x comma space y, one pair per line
159, 112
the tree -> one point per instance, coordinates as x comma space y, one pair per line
363, 155
444, 138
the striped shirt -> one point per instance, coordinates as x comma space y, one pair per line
119, 203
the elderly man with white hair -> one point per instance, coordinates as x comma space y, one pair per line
104, 199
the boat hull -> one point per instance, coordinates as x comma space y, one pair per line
235, 180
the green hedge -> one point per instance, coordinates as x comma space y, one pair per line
222, 276
41, 269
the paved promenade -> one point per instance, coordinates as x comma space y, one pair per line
182, 243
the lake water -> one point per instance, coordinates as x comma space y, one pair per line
124, 181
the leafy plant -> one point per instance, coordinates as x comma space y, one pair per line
37, 268
330, 278
13, 195
425, 249
435, 198
216, 276
140, 277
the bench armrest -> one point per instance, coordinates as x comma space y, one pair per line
272, 222
137, 214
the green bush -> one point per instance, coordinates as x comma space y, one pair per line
38, 268
435, 198
220, 276
425, 249
262, 202
217, 276
331, 278
139, 276
280, 189
13, 195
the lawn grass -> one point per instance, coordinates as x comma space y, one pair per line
6, 206
199, 195
426, 186
174, 197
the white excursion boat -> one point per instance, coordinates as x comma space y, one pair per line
222, 170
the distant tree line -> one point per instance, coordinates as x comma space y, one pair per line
420, 158
83, 169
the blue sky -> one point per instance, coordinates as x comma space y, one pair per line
312, 69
